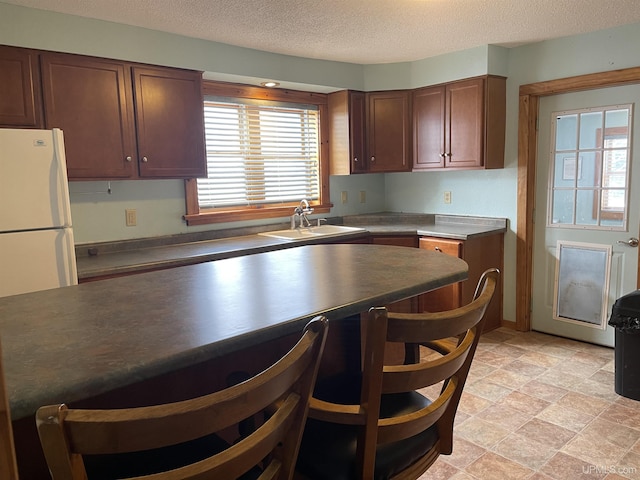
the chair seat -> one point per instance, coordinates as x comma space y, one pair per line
328, 450
125, 465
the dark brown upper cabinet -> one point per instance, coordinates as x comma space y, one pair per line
347, 124
369, 132
122, 120
20, 94
460, 125
389, 131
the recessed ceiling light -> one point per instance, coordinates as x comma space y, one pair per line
270, 84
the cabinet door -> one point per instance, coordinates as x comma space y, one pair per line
347, 132
448, 297
20, 101
170, 123
357, 126
388, 132
90, 100
428, 128
464, 124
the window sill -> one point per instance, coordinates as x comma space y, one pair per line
226, 216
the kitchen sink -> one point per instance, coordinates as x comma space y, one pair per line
313, 232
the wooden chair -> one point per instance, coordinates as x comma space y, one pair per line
158, 439
8, 465
377, 424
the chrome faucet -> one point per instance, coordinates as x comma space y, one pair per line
301, 212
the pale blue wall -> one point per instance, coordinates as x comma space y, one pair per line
100, 217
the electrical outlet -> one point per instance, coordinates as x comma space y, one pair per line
447, 197
131, 216
363, 196
343, 197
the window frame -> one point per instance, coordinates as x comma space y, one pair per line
598, 213
202, 216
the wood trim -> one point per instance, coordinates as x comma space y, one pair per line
223, 89
527, 143
591, 81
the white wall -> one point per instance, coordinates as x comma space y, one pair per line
160, 204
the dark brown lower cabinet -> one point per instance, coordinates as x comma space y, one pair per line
480, 253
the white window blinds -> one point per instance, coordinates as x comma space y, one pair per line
259, 152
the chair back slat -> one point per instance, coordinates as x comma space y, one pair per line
404, 378
401, 427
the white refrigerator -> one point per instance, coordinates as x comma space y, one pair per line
36, 235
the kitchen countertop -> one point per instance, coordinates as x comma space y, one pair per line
71, 343
118, 258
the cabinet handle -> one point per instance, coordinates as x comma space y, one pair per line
355, 159
373, 159
438, 249
447, 154
145, 159
128, 159
442, 155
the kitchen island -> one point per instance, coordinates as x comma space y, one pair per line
75, 343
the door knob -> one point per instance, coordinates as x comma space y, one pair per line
632, 242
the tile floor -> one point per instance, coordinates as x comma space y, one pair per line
539, 407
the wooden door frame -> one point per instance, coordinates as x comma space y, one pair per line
527, 145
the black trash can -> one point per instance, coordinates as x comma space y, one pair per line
625, 318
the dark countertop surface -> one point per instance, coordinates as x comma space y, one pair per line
117, 258
70, 343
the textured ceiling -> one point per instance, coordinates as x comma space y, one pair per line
359, 31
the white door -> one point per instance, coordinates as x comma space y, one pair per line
580, 218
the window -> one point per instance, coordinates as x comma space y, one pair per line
589, 181
264, 154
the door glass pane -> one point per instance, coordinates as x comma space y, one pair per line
617, 118
590, 124
566, 126
563, 207
565, 170
585, 213
588, 170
